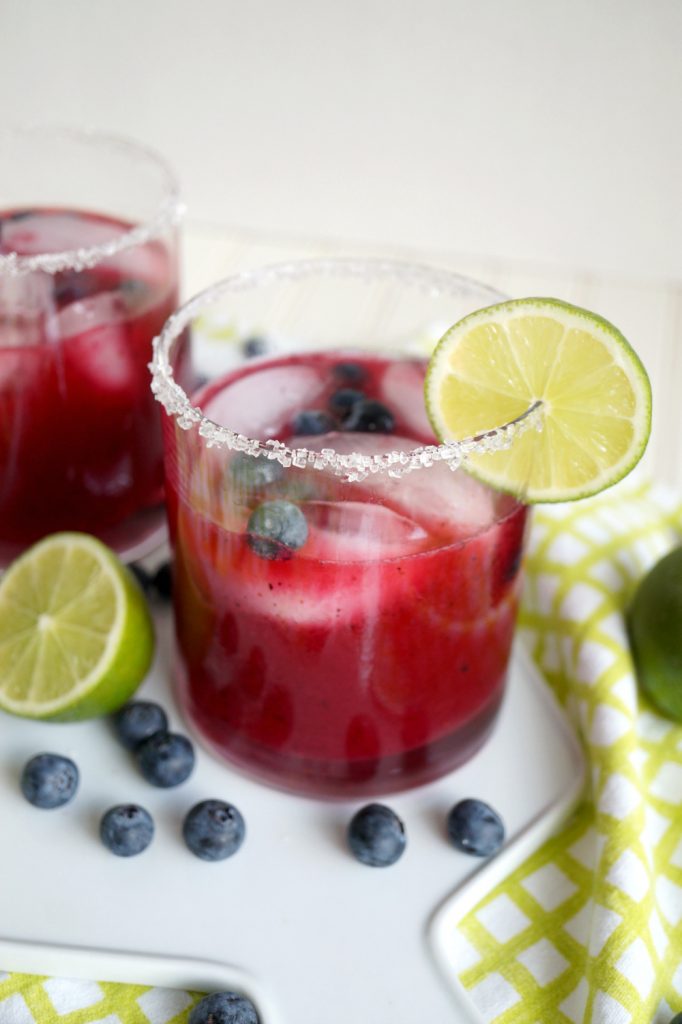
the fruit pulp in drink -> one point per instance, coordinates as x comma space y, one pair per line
374, 656
80, 433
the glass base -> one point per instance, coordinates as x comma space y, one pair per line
346, 779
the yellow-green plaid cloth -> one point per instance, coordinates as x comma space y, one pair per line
589, 929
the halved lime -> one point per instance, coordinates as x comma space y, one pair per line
496, 363
76, 636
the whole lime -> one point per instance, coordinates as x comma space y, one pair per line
655, 628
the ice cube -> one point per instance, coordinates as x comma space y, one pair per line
402, 390
359, 531
261, 404
88, 313
97, 343
441, 500
444, 501
26, 307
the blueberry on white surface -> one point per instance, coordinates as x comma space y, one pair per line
214, 830
369, 417
224, 1008
376, 836
276, 529
126, 830
137, 721
166, 759
74, 286
474, 827
49, 781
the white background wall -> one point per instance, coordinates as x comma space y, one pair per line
543, 130
536, 144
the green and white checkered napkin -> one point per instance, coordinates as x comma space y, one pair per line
589, 929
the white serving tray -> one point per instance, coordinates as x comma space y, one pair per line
292, 919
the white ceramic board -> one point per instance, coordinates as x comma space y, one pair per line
292, 919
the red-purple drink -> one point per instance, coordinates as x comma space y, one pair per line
374, 655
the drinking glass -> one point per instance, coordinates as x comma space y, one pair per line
345, 591
88, 275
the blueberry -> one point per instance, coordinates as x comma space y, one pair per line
253, 474
133, 290
353, 373
224, 1008
475, 828
126, 830
376, 836
312, 421
137, 721
254, 346
21, 214
165, 759
162, 581
74, 286
276, 529
214, 830
343, 400
143, 577
49, 780
369, 416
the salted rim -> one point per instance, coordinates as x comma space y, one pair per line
353, 465
168, 213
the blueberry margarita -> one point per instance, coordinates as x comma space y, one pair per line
337, 637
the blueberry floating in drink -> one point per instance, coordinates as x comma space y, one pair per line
342, 401
376, 836
126, 830
276, 529
475, 828
49, 781
214, 830
349, 373
312, 421
254, 473
369, 417
74, 286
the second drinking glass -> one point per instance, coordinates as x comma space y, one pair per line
88, 275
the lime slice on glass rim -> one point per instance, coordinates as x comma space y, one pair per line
76, 637
595, 396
